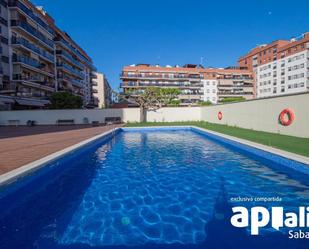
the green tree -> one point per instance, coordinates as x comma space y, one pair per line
174, 102
232, 99
65, 100
169, 95
205, 103
151, 98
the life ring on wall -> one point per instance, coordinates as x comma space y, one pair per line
220, 115
286, 117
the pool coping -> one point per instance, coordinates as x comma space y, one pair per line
26, 169
265, 148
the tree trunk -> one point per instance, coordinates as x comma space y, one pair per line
143, 114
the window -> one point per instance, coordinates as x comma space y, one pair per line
5, 59
4, 40
3, 21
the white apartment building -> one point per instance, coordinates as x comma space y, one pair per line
210, 91
284, 76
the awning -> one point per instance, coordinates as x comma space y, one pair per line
31, 102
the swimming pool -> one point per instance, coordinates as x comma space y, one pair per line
149, 188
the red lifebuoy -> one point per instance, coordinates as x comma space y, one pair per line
219, 115
286, 117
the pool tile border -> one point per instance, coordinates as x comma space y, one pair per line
26, 169
287, 159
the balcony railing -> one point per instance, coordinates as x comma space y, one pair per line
70, 58
27, 11
29, 61
36, 80
93, 75
71, 48
161, 85
32, 95
71, 69
234, 93
160, 76
235, 77
72, 81
32, 31
34, 48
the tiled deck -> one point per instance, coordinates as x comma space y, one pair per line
22, 145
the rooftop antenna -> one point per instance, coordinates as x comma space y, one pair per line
202, 60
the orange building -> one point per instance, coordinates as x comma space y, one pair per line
196, 83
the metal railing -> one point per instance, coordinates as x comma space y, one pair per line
71, 69
34, 48
28, 12
32, 31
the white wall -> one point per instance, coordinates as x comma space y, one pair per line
174, 114
260, 114
263, 114
48, 117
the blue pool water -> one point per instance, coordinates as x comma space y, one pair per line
148, 189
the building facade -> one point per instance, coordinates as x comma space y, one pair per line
102, 91
38, 59
280, 67
197, 84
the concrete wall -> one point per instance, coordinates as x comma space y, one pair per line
47, 117
174, 114
263, 114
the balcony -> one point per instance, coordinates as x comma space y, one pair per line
176, 85
93, 75
165, 77
33, 32
72, 49
190, 96
74, 82
23, 42
71, 70
70, 58
32, 63
29, 13
234, 93
35, 81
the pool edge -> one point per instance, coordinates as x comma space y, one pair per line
28, 168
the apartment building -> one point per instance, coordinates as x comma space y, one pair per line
38, 59
187, 79
4, 47
195, 82
74, 67
102, 91
280, 67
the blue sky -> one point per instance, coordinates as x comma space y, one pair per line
122, 32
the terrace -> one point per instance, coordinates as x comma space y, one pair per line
150, 183
22, 145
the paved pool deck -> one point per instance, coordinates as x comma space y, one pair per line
22, 145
